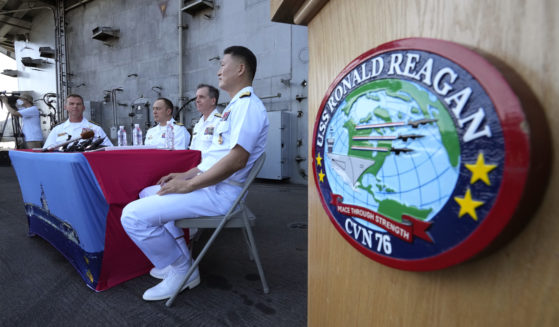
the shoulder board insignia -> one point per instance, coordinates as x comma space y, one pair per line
62, 122
179, 124
94, 123
218, 115
245, 94
61, 134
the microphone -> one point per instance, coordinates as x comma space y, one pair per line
95, 144
84, 135
81, 145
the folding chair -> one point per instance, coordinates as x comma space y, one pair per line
238, 216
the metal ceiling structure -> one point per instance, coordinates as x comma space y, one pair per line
16, 19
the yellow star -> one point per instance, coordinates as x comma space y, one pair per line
468, 205
480, 170
319, 160
321, 176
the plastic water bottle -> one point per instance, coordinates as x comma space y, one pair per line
170, 136
122, 141
137, 135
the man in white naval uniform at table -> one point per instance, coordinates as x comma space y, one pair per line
163, 115
75, 125
208, 189
206, 103
156, 136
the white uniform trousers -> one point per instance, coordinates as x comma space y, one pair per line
177, 233
144, 219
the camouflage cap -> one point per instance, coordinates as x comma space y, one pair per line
26, 96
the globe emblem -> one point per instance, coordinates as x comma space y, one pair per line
392, 147
420, 154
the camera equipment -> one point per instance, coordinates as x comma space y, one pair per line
8, 93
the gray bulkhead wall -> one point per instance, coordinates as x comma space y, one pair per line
143, 61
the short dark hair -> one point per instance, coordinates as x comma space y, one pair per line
246, 55
74, 95
167, 102
214, 93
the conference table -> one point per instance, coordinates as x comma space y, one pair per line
75, 200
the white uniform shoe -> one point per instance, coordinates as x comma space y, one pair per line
162, 273
166, 288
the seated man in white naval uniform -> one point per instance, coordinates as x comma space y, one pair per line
206, 103
75, 124
163, 115
156, 136
211, 187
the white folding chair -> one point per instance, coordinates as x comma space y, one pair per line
238, 216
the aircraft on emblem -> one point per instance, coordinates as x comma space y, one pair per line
413, 123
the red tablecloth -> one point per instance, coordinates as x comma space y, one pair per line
122, 174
